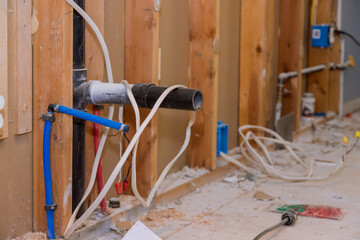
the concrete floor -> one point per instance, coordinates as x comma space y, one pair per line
223, 210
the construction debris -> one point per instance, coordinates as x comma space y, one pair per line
260, 195
140, 231
155, 218
32, 236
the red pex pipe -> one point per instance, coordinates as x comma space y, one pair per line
99, 174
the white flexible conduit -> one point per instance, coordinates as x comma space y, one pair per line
111, 109
265, 164
121, 145
73, 225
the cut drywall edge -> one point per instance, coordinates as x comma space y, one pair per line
351, 106
140, 232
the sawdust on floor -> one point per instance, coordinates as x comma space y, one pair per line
32, 236
262, 196
228, 208
157, 217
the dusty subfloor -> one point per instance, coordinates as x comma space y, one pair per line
237, 206
227, 209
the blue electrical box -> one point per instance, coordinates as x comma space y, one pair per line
320, 36
222, 138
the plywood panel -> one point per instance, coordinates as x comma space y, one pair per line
258, 62
23, 66
15, 154
204, 75
3, 70
52, 49
141, 66
291, 49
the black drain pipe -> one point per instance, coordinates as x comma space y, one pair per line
79, 77
95, 92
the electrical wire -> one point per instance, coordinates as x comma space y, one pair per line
351, 149
314, 7
128, 171
111, 109
121, 145
288, 218
263, 165
342, 32
147, 202
72, 224
133, 145
270, 229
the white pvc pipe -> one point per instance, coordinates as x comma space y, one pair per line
287, 75
313, 69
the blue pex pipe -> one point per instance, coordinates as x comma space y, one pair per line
91, 118
47, 178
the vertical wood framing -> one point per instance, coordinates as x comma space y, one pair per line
94, 61
318, 83
52, 49
258, 62
204, 65
141, 66
291, 49
114, 18
3, 71
23, 65
335, 57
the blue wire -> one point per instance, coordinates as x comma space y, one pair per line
47, 178
92, 118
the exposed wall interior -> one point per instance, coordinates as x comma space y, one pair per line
16, 198
233, 50
229, 63
174, 44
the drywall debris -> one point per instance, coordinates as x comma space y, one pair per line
234, 179
231, 179
140, 231
176, 179
166, 214
120, 228
247, 185
123, 225
262, 196
34, 22
245, 182
32, 236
